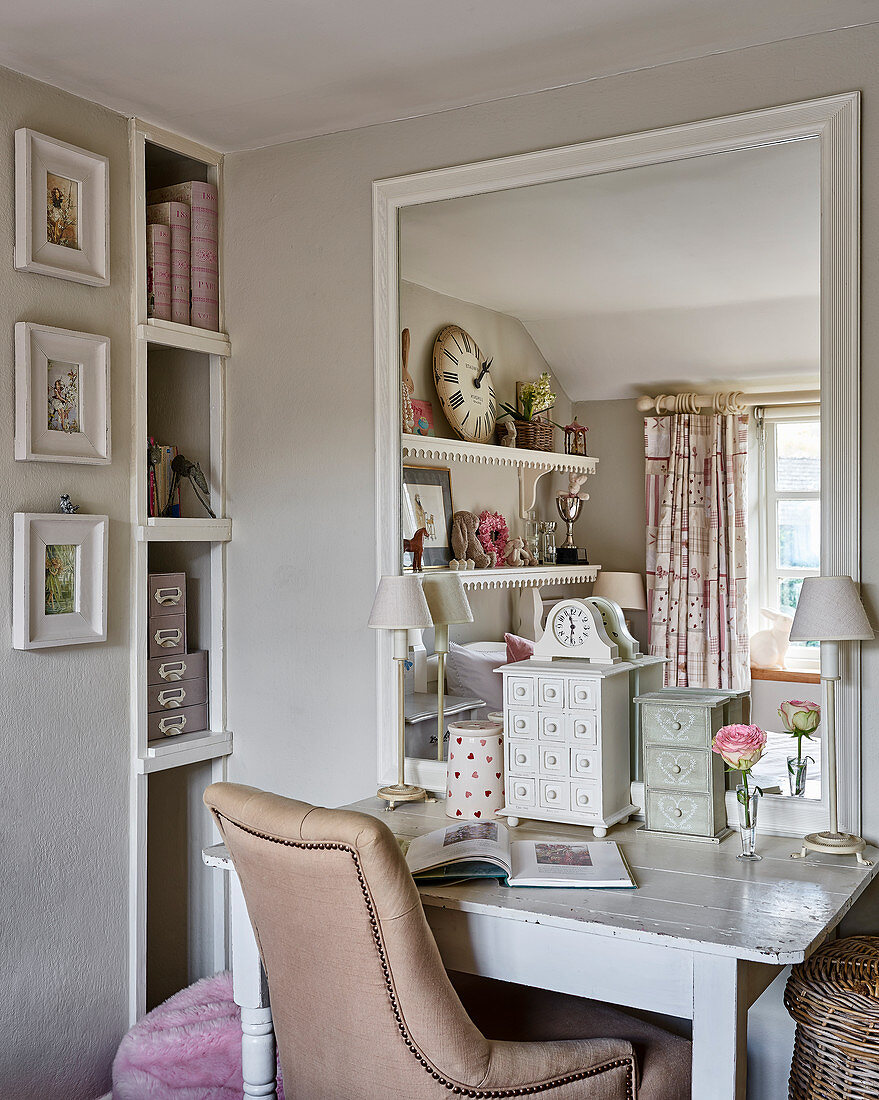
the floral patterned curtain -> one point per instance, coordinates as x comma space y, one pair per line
697, 554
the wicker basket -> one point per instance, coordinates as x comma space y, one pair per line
834, 998
535, 435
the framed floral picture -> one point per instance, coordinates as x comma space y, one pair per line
59, 580
427, 503
62, 395
61, 210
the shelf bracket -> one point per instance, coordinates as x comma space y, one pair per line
528, 478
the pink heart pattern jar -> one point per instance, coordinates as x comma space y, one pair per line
475, 773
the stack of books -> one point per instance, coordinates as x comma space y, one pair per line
159, 459
183, 281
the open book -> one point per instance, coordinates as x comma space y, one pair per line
484, 850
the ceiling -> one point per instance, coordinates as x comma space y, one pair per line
702, 272
240, 75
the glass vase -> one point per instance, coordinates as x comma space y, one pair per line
796, 775
746, 800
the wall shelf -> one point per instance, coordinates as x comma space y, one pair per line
172, 335
185, 748
537, 576
180, 529
531, 465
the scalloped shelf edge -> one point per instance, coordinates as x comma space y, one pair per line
428, 446
531, 577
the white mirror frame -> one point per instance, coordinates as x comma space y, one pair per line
834, 122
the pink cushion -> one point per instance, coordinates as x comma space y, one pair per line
518, 649
188, 1048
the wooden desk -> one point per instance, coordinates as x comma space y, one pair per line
700, 938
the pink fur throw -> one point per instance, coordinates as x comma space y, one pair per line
188, 1048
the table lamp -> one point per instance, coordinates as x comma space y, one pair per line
829, 610
625, 589
400, 606
448, 604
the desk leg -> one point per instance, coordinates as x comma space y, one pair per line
720, 1028
251, 992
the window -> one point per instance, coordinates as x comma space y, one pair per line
788, 513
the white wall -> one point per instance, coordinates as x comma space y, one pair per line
299, 292
64, 715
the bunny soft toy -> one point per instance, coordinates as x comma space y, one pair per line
769, 647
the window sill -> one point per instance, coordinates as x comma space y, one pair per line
785, 675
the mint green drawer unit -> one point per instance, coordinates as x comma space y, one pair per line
684, 781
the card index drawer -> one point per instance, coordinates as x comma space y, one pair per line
675, 724
167, 635
521, 723
520, 691
170, 723
167, 594
677, 769
183, 693
184, 666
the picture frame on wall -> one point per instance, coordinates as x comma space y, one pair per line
59, 577
62, 395
427, 502
62, 203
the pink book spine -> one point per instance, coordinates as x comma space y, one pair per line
158, 251
177, 217
204, 261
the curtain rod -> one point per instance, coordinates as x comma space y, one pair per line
732, 402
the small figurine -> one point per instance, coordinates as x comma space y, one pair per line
508, 428
181, 468
67, 506
575, 483
769, 647
575, 438
415, 547
518, 554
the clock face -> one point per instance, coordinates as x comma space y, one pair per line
571, 626
463, 385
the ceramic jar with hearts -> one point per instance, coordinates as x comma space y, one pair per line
475, 775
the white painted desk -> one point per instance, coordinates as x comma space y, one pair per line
701, 937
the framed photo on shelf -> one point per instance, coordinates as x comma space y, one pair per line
427, 502
62, 395
61, 210
59, 576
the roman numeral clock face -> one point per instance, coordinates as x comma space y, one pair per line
463, 385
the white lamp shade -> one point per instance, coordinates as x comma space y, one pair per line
830, 610
400, 604
626, 589
446, 599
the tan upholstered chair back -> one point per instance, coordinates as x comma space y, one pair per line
361, 1003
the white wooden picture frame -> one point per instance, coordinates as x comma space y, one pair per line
62, 395
59, 580
62, 202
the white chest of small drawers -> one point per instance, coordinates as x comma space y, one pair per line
566, 731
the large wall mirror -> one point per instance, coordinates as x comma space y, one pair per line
717, 258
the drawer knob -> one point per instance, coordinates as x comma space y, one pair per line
168, 596
581, 694
520, 691
552, 760
550, 693
521, 758
551, 795
551, 727
582, 798
520, 723
521, 792
173, 697
676, 769
169, 726
677, 812
676, 726
173, 671
167, 639
584, 761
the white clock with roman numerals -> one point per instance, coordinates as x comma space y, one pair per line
574, 628
463, 385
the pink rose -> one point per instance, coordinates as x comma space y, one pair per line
799, 716
740, 746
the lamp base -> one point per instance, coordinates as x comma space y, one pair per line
837, 844
403, 792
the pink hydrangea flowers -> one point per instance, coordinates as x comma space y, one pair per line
740, 746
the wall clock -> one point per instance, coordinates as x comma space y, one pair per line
575, 628
463, 385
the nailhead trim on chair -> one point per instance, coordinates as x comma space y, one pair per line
454, 1089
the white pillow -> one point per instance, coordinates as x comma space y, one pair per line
470, 672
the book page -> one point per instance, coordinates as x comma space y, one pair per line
465, 840
572, 863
